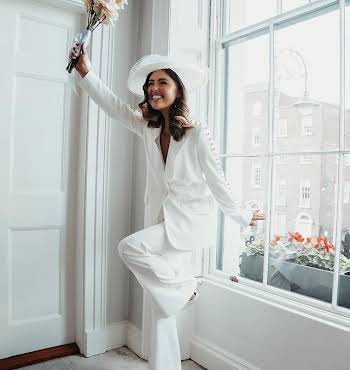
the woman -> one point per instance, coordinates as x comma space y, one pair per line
183, 174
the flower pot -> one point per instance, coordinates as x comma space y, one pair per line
309, 281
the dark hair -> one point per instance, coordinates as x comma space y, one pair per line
179, 111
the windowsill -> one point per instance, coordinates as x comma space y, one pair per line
284, 300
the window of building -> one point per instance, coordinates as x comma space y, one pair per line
306, 125
306, 158
282, 157
256, 176
305, 194
282, 193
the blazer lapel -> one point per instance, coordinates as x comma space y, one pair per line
157, 160
174, 148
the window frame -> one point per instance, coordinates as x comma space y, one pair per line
306, 127
288, 300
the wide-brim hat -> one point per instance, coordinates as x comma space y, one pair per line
192, 75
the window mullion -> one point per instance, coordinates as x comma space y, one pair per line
340, 159
270, 133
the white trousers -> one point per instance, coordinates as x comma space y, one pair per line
165, 273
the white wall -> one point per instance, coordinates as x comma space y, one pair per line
269, 337
144, 44
121, 165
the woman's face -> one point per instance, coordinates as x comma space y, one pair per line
161, 90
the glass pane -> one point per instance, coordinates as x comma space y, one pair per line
247, 97
244, 13
247, 177
344, 266
306, 109
301, 251
287, 5
347, 78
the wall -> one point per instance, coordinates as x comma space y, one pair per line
248, 331
121, 164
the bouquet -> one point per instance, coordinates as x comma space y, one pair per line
99, 11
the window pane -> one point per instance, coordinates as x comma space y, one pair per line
287, 5
307, 85
301, 257
244, 13
247, 97
344, 266
247, 177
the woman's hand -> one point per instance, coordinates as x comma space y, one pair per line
257, 217
84, 65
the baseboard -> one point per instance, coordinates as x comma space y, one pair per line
134, 339
213, 357
103, 340
27, 359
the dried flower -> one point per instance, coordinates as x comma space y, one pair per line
99, 11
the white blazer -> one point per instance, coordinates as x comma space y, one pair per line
186, 186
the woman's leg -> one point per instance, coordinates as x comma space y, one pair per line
159, 268
164, 273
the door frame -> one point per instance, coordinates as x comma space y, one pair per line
92, 200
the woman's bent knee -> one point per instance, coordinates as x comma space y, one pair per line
125, 245
121, 248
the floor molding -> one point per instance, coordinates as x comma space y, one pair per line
26, 359
213, 357
134, 339
102, 340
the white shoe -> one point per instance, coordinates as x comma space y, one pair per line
195, 295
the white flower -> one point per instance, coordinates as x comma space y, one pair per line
121, 3
107, 9
87, 4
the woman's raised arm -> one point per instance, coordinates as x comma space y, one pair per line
105, 98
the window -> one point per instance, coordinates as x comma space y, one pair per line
282, 193
306, 125
256, 176
305, 194
306, 158
282, 127
282, 158
302, 146
256, 136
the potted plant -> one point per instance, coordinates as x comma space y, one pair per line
302, 265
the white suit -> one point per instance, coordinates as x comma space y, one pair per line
178, 212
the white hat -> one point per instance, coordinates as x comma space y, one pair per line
191, 75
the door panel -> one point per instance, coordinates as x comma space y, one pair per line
38, 177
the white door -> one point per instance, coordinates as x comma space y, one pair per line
39, 136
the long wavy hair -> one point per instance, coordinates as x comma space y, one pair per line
179, 112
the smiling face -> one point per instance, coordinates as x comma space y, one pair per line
161, 90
